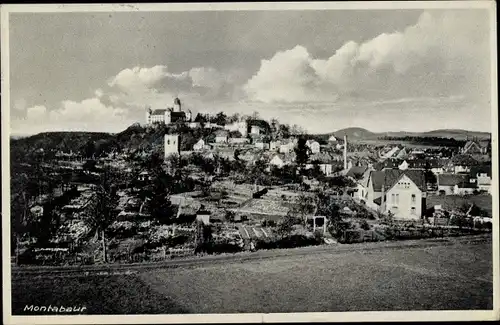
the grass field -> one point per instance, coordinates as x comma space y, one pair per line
418, 278
484, 201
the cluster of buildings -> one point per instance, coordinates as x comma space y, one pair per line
401, 184
394, 179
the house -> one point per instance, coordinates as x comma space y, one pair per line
255, 129
325, 168
262, 145
402, 154
465, 187
356, 172
238, 141
447, 182
221, 136
390, 163
203, 216
323, 160
391, 153
437, 165
144, 176
462, 163
475, 147
277, 161
274, 145
482, 174
332, 139
194, 125
362, 186
287, 148
404, 194
241, 127
200, 145
313, 146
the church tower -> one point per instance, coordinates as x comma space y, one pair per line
177, 105
172, 145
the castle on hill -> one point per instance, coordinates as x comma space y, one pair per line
168, 115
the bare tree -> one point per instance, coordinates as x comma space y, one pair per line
101, 211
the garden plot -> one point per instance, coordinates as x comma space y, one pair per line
254, 232
265, 207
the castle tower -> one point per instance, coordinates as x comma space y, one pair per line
345, 152
148, 115
171, 144
177, 105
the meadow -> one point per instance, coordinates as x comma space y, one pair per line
440, 277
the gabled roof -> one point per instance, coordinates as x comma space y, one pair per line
356, 170
392, 176
451, 179
365, 179
377, 179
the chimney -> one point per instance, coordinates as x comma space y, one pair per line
345, 152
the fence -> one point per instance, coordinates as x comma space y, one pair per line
153, 256
403, 233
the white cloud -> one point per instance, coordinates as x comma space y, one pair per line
86, 115
139, 78
99, 93
207, 77
440, 53
36, 113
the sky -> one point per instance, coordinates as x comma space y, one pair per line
383, 70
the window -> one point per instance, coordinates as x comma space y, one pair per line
413, 198
168, 142
413, 210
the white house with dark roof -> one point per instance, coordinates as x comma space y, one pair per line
200, 145
277, 161
221, 136
447, 182
401, 192
313, 146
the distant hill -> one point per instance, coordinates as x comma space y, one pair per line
355, 133
363, 134
64, 141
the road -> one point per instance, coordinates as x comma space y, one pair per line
453, 273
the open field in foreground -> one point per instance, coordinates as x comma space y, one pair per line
448, 277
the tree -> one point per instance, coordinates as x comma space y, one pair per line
285, 225
220, 118
204, 234
101, 211
160, 206
301, 152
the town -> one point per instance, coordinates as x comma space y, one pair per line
178, 185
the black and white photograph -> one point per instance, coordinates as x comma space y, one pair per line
257, 162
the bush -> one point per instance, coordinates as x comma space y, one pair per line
290, 241
364, 225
